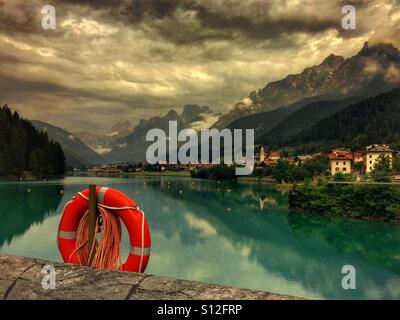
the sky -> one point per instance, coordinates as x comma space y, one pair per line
108, 61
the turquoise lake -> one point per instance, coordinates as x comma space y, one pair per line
235, 234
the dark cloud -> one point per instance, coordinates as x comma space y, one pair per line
268, 28
219, 24
133, 11
21, 17
217, 19
143, 57
159, 9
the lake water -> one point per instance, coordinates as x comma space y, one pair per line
240, 235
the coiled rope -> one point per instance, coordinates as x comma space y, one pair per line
107, 250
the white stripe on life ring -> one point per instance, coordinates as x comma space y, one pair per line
138, 251
101, 194
108, 207
67, 234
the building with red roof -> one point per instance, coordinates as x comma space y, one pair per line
274, 155
358, 156
340, 161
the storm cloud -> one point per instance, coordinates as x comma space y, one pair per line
131, 59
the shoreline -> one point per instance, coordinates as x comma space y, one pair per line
256, 179
180, 174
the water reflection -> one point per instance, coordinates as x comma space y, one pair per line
227, 233
306, 249
22, 205
267, 201
375, 243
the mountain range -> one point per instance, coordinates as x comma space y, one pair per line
101, 143
278, 111
374, 69
133, 146
77, 153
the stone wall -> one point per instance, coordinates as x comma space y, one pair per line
21, 278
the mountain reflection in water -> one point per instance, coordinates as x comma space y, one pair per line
234, 234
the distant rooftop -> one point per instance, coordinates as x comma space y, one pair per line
340, 154
275, 154
379, 148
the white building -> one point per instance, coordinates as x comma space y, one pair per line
372, 154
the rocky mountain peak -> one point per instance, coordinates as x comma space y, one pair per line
172, 114
191, 112
335, 76
379, 50
122, 126
333, 61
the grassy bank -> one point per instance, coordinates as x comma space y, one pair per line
132, 174
253, 179
28, 176
158, 174
373, 202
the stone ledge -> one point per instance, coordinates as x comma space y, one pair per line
21, 277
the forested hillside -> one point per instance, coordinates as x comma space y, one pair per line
305, 118
373, 120
23, 148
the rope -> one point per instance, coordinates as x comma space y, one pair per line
108, 249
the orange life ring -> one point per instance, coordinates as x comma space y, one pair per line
122, 206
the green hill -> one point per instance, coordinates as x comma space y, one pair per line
373, 120
305, 118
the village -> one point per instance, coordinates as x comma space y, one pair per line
341, 160
357, 164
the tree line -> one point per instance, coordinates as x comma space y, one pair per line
24, 148
375, 202
217, 172
286, 172
373, 120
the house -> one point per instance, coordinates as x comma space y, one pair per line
299, 160
272, 160
275, 156
358, 156
105, 169
268, 163
372, 154
340, 161
290, 160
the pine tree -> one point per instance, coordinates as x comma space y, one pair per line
37, 163
24, 148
